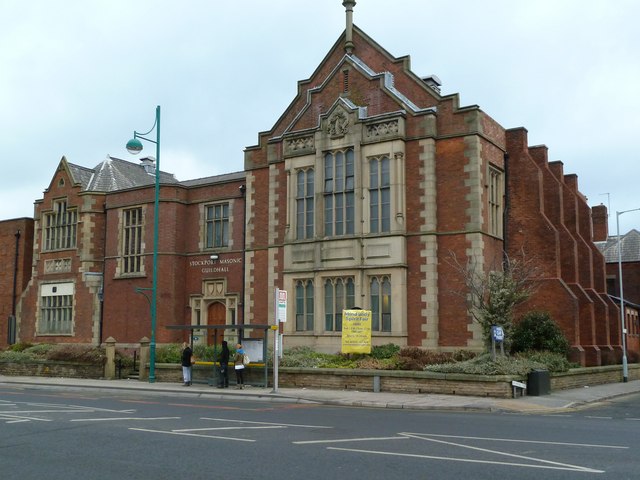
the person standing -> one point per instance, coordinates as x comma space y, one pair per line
224, 365
187, 360
238, 360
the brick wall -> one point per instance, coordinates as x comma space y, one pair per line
9, 241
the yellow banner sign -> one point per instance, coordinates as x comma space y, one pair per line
356, 331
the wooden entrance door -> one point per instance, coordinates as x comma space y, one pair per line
216, 315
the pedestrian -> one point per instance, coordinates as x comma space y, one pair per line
239, 361
187, 361
224, 365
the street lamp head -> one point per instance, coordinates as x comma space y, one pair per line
134, 146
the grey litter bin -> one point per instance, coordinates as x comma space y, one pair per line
538, 383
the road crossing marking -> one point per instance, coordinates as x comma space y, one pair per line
468, 460
548, 463
121, 418
368, 439
265, 427
513, 440
265, 423
185, 434
20, 417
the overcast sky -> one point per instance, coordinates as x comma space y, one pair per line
77, 77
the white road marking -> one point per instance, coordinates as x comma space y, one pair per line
368, 439
515, 440
557, 465
52, 411
227, 428
570, 468
17, 421
7, 415
265, 423
598, 418
94, 409
121, 418
191, 435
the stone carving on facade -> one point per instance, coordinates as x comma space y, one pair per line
294, 145
214, 289
58, 265
383, 129
338, 125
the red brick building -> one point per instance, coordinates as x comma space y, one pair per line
16, 244
93, 254
358, 196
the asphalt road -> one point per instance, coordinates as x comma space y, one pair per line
50, 432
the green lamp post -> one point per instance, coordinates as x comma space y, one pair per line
134, 146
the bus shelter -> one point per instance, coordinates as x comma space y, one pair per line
255, 344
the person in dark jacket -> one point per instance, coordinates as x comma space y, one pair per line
187, 358
224, 365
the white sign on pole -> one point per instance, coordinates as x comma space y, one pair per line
282, 306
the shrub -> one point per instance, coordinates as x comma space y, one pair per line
485, 365
205, 353
303, 357
414, 358
388, 350
19, 347
75, 353
171, 353
40, 350
370, 363
520, 364
15, 356
554, 362
537, 331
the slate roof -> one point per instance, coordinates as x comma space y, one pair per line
81, 175
114, 174
630, 247
227, 177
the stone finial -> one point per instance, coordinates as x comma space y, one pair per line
348, 43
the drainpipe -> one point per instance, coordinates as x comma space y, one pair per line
11, 334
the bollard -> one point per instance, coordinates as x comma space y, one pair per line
110, 366
376, 383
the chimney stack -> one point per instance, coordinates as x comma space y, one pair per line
600, 223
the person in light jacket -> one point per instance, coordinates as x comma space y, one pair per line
238, 360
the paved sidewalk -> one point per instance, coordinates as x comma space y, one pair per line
557, 401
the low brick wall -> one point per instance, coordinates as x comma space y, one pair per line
583, 377
498, 386
397, 381
51, 369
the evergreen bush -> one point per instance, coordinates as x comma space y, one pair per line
537, 331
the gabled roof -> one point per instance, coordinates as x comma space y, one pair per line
373, 62
629, 247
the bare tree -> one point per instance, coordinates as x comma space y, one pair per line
493, 291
